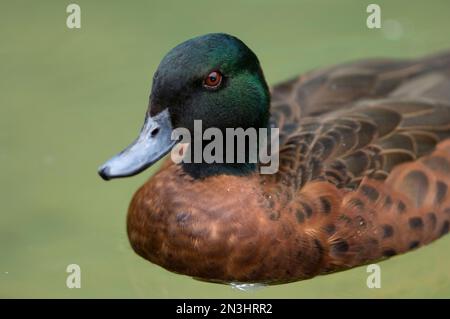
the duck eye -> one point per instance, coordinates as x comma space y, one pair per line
213, 80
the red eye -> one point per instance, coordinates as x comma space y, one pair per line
213, 80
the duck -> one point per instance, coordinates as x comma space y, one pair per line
363, 173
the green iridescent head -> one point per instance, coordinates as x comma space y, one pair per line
214, 78
241, 99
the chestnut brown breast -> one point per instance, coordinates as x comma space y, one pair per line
220, 229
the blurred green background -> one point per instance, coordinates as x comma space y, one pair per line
72, 98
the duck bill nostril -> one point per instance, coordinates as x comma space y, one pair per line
154, 132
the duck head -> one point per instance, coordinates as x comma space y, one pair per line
214, 78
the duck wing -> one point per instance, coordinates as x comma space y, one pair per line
365, 173
361, 127
336, 87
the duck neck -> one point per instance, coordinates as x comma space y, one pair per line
239, 158
204, 170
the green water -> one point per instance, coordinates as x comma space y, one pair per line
69, 99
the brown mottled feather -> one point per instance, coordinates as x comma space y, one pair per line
364, 175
